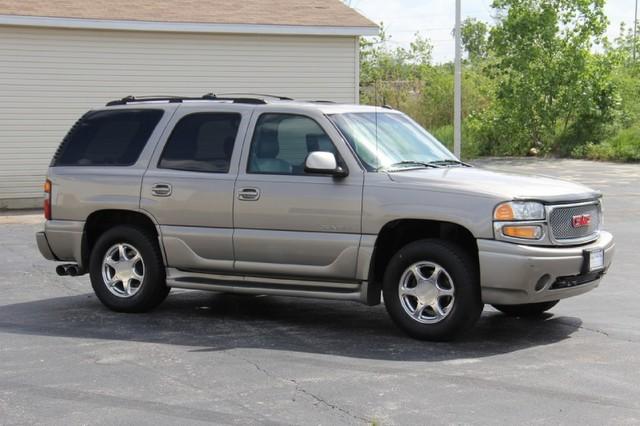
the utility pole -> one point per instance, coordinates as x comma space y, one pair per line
457, 102
635, 31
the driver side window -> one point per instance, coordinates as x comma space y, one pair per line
281, 143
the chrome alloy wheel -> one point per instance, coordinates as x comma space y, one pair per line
426, 292
123, 270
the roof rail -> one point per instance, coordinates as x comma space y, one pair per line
179, 99
262, 95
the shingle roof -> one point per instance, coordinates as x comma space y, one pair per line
330, 13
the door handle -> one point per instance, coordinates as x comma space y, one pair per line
248, 194
161, 190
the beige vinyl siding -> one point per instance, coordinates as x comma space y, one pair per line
50, 77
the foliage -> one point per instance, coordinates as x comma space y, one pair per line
386, 73
551, 85
624, 44
624, 146
475, 38
405, 79
542, 77
445, 135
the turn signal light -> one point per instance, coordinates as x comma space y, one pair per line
47, 200
525, 232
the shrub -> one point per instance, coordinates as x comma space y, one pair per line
469, 146
624, 146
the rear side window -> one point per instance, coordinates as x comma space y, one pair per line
107, 138
202, 142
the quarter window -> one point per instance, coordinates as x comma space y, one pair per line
281, 143
107, 138
202, 142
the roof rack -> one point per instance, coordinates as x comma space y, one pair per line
261, 95
179, 99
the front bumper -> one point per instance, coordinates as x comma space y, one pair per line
510, 273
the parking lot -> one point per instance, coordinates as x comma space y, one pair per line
203, 357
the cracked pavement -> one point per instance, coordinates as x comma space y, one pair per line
225, 359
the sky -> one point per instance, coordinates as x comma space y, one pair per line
436, 18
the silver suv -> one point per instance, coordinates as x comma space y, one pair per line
265, 195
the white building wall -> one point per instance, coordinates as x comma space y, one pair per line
49, 77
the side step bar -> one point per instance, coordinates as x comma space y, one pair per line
356, 291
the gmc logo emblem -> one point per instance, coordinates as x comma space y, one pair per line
581, 220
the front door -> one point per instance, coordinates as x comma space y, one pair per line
290, 223
189, 186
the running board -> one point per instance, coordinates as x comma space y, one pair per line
270, 286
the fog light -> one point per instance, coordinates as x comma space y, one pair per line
542, 282
527, 232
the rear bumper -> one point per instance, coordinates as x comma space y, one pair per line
61, 240
509, 273
43, 246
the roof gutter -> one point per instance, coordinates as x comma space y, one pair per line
185, 27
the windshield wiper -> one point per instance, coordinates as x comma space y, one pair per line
410, 165
448, 163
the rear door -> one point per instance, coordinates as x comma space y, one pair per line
290, 223
189, 186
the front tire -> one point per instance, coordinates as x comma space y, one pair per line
526, 310
431, 290
126, 269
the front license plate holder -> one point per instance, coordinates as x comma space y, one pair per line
593, 260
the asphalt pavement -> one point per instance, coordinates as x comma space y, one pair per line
209, 358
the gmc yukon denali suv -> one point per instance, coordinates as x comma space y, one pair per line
271, 196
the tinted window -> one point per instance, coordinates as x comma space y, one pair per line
107, 138
202, 142
281, 143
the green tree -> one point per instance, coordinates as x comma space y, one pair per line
552, 92
624, 45
389, 74
475, 38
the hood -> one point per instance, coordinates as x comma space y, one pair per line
502, 185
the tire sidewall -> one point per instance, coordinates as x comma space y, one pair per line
460, 266
154, 282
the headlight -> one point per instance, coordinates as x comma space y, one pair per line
519, 210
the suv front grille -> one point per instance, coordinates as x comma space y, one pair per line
562, 224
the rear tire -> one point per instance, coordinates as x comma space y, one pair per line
126, 269
526, 310
431, 290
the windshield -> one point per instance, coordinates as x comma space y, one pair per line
387, 141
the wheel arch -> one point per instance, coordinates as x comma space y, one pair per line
400, 232
100, 221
